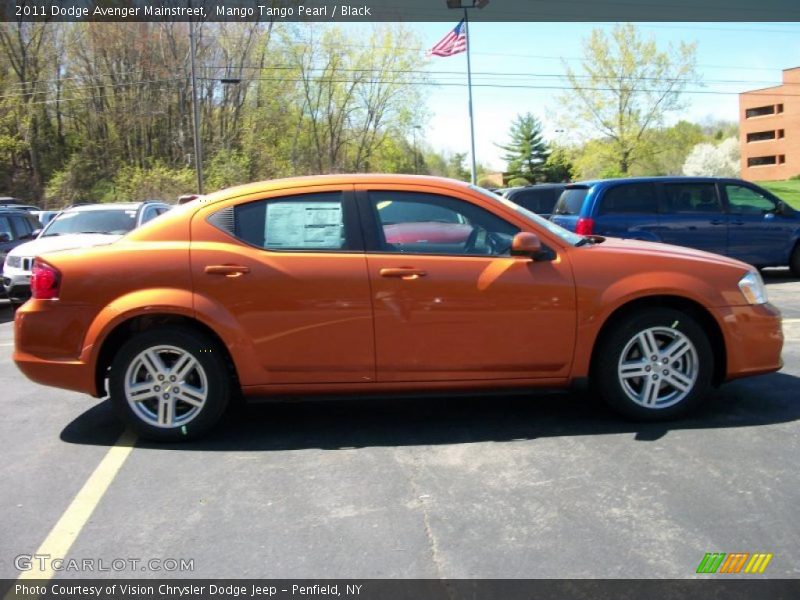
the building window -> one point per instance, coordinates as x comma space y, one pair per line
781, 133
760, 161
781, 159
779, 108
760, 136
760, 111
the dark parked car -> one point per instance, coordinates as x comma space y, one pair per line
726, 216
539, 198
16, 227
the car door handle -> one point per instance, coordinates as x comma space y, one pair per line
737, 222
227, 270
717, 222
403, 273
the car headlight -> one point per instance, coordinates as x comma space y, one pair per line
14, 262
753, 288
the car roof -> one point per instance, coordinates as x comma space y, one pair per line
537, 186
653, 179
14, 210
337, 179
109, 206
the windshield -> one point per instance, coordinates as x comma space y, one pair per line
564, 234
112, 221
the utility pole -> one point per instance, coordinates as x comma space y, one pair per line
476, 4
198, 143
473, 170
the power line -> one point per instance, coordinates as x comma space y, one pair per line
490, 74
512, 86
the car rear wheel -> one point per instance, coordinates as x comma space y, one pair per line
170, 384
655, 364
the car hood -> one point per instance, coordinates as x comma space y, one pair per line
659, 250
69, 241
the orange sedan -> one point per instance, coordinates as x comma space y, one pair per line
353, 284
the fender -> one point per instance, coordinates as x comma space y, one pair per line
141, 302
631, 288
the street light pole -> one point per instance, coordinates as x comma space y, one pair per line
198, 143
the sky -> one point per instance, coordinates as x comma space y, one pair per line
731, 57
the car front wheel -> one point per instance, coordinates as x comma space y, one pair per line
170, 384
655, 364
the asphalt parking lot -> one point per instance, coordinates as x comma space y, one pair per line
550, 486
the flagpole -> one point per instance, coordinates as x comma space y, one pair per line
473, 171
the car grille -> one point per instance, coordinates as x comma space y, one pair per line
27, 263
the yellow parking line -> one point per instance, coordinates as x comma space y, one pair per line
66, 530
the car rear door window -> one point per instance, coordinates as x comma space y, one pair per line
634, 198
747, 201
5, 228
305, 222
570, 201
21, 225
691, 198
420, 223
539, 201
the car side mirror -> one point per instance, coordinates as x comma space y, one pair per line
526, 244
4, 237
782, 209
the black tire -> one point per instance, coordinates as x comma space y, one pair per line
212, 365
623, 332
794, 261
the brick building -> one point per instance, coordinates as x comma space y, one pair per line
769, 130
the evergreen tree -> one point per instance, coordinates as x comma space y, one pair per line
526, 153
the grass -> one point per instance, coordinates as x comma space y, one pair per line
789, 191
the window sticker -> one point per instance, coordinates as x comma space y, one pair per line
304, 225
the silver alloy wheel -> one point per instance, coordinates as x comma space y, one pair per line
658, 367
166, 386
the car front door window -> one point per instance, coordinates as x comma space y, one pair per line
745, 201
418, 223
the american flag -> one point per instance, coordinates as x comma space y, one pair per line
453, 43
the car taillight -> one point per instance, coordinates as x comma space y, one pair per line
45, 281
584, 226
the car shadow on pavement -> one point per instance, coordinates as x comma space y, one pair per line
778, 276
355, 423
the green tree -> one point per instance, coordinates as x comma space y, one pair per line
627, 87
559, 165
526, 153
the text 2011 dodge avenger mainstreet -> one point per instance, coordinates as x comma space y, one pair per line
383, 283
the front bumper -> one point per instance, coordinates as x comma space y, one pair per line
753, 339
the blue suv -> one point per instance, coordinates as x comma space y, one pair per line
726, 216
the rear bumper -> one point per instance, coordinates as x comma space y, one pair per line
753, 339
48, 346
